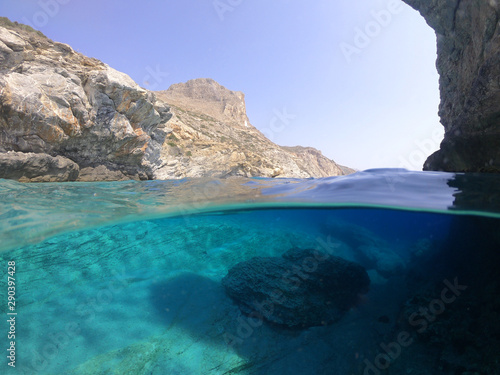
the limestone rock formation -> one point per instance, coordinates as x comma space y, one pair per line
209, 97
313, 161
56, 101
303, 288
468, 45
31, 167
212, 135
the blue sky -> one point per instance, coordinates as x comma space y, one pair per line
353, 78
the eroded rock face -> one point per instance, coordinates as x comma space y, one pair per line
31, 167
303, 288
468, 45
212, 136
209, 97
59, 102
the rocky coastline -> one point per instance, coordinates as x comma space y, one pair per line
68, 117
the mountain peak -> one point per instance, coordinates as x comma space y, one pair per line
205, 95
210, 124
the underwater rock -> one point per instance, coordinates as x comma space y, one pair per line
300, 289
385, 261
454, 299
367, 248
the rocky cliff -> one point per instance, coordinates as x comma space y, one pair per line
64, 116
207, 96
468, 46
212, 135
57, 102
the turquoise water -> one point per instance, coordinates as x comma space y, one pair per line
125, 277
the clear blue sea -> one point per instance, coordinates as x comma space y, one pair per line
125, 277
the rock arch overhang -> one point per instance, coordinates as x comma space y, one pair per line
468, 63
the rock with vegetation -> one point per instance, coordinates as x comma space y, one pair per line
303, 288
468, 46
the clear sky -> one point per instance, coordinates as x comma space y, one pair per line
353, 78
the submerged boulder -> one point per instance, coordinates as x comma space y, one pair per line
301, 289
366, 247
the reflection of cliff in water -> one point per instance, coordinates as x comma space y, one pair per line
480, 192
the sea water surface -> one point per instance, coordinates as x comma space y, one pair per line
125, 277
